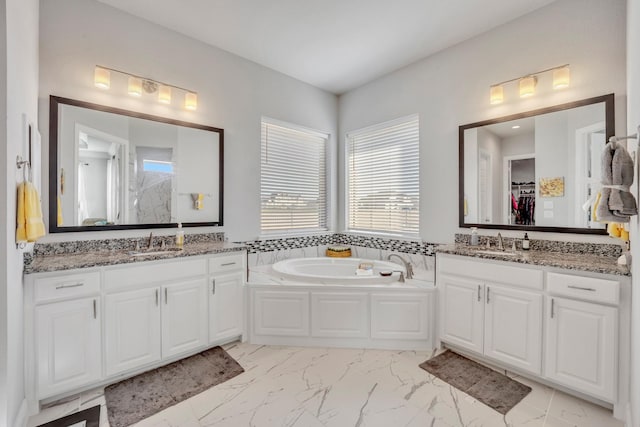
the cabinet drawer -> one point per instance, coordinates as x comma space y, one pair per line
66, 286
123, 277
490, 272
223, 264
585, 288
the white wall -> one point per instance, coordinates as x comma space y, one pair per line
451, 88
233, 93
21, 84
633, 121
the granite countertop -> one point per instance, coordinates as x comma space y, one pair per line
597, 263
101, 258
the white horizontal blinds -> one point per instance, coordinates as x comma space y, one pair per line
293, 179
384, 178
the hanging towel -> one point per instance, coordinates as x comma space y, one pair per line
603, 213
60, 217
621, 201
30, 226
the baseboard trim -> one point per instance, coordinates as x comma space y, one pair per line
21, 417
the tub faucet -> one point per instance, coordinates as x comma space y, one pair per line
407, 265
500, 243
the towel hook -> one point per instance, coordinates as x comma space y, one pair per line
26, 164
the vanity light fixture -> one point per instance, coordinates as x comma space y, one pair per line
102, 78
190, 101
527, 84
164, 94
561, 77
137, 85
496, 94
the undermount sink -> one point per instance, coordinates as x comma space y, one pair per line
501, 253
151, 253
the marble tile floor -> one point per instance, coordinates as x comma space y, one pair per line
309, 387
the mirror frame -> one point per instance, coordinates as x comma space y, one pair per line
610, 131
54, 102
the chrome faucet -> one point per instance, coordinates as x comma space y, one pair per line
500, 243
150, 245
407, 265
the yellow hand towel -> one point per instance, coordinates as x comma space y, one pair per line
200, 203
60, 218
594, 208
613, 228
30, 226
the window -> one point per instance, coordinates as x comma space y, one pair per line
292, 179
383, 178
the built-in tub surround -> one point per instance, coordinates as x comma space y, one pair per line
266, 252
592, 257
95, 253
367, 314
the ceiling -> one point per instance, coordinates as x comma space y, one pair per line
336, 45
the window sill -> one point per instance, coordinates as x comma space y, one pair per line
382, 235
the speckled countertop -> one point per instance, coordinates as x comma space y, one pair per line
100, 258
596, 263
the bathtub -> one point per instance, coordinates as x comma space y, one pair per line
336, 271
321, 302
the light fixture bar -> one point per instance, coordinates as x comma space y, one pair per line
531, 74
145, 78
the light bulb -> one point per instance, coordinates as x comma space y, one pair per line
561, 77
527, 86
496, 94
164, 94
102, 78
191, 101
135, 86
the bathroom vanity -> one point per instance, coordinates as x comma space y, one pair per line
556, 319
91, 326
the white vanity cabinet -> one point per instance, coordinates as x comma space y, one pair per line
90, 327
132, 329
496, 311
226, 297
68, 345
582, 336
64, 318
561, 326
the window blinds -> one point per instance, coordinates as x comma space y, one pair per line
292, 179
383, 173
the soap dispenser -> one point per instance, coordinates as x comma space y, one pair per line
474, 236
525, 242
180, 237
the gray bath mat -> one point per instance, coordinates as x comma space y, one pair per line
486, 385
139, 397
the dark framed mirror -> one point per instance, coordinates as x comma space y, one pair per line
113, 169
535, 170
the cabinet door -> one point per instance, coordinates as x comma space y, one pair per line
184, 317
226, 307
132, 329
461, 312
400, 316
340, 314
68, 345
513, 327
581, 347
280, 313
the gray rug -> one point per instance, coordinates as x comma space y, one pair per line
486, 385
139, 397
